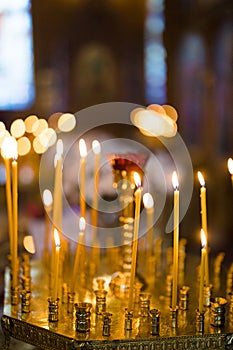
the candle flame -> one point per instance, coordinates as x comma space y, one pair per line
82, 148
59, 147
82, 223
175, 181
137, 179
230, 165
203, 238
9, 148
148, 200
201, 178
56, 238
96, 147
47, 198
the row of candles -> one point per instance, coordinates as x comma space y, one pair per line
10, 155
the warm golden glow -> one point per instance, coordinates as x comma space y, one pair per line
30, 123
137, 179
38, 147
3, 135
29, 245
230, 165
24, 146
148, 201
2, 126
82, 224
47, 198
17, 128
82, 148
56, 238
96, 147
9, 148
66, 122
201, 178
203, 239
39, 126
59, 147
175, 181
48, 137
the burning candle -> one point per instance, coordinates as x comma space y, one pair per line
15, 219
137, 196
56, 262
175, 240
204, 220
83, 154
80, 242
230, 168
48, 202
57, 193
148, 202
6, 152
202, 269
96, 150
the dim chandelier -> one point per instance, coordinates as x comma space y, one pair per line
132, 295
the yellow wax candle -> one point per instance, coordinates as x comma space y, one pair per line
202, 270
149, 205
204, 221
56, 264
48, 202
96, 150
230, 168
57, 193
80, 242
175, 240
83, 154
6, 152
15, 223
137, 195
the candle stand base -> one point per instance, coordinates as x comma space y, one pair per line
121, 330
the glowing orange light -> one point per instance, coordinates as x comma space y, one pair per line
148, 200
175, 181
203, 239
96, 147
137, 179
230, 165
82, 223
56, 238
201, 179
82, 148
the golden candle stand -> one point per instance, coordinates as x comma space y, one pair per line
150, 327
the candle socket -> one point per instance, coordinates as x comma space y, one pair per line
207, 295
155, 321
106, 324
100, 283
144, 304
128, 320
217, 311
15, 295
25, 301
70, 303
173, 317
100, 301
184, 297
200, 318
83, 314
53, 309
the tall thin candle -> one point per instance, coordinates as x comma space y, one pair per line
80, 242
204, 221
175, 240
15, 221
202, 269
6, 154
137, 195
83, 154
48, 202
96, 150
57, 193
57, 254
148, 202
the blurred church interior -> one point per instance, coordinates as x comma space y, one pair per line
74, 54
